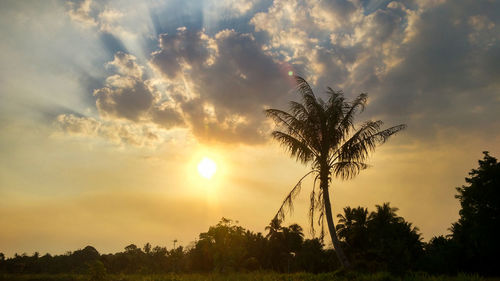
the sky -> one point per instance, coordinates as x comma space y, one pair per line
107, 107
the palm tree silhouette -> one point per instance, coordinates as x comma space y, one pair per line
322, 133
385, 214
352, 222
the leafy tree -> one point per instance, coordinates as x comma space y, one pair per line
395, 244
221, 248
2, 262
478, 227
441, 256
352, 228
294, 237
147, 248
97, 271
312, 257
284, 244
381, 240
323, 134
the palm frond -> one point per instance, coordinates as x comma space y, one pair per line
350, 110
364, 141
298, 149
288, 202
298, 110
309, 99
367, 129
347, 170
360, 149
286, 120
294, 127
313, 205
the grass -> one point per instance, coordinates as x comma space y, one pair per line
255, 276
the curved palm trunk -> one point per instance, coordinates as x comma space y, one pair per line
329, 219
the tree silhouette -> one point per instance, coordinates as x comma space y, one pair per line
322, 133
352, 228
381, 240
477, 229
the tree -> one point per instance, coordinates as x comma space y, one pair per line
379, 241
322, 134
222, 247
476, 231
394, 244
352, 228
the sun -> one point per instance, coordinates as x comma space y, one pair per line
207, 168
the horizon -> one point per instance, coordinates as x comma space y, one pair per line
144, 122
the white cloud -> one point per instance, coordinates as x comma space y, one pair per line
80, 12
119, 133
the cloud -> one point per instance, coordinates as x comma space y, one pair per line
126, 65
106, 17
335, 14
218, 83
124, 98
443, 72
186, 48
125, 95
80, 11
426, 63
227, 82
128, 96
119, 133
232, 8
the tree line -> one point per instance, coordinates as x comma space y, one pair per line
379, 240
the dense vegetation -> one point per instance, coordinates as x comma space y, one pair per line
374, 241
247, 276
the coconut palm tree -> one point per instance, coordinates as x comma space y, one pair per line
352, 224
323, 134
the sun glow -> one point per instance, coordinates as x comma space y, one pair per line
207, 168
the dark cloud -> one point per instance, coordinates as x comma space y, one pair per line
166, 116
231, 78
186, 46
127, 96
445, 78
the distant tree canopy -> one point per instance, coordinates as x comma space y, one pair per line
225, 247
374, 241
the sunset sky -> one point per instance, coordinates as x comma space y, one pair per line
107, 108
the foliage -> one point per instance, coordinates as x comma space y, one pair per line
225, 247
261, 276
473, 245
380, 240
478, 228
97, 271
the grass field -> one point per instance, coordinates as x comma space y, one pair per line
244, 277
